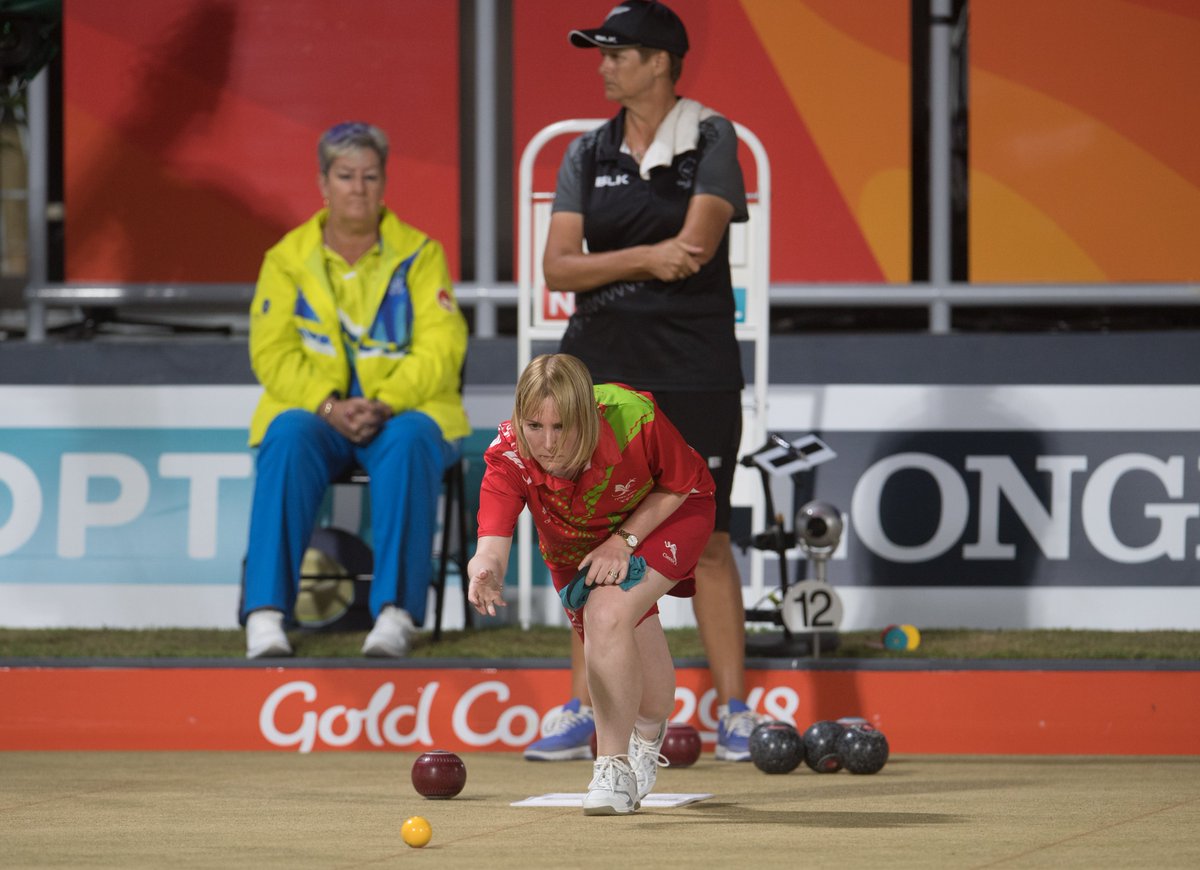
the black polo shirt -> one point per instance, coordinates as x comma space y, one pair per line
653, 335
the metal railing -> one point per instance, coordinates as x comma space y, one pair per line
487, 300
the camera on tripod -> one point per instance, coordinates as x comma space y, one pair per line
808, 611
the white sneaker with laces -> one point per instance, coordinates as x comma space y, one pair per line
392, 634
265, 637
613, 789
645, 757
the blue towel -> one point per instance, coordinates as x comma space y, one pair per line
575, 594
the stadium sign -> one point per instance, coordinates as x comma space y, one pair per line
1096, 509
136, 499
988, 710
1001, 485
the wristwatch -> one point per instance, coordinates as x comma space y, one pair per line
630, 538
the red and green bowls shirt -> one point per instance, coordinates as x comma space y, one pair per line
639, 449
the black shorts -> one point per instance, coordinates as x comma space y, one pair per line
712, 424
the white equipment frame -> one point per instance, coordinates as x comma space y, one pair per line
750, 255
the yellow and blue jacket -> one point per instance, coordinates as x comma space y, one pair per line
409, 357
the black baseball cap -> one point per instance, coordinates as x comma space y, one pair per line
636, 22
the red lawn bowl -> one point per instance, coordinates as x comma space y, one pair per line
439, 774
681, 746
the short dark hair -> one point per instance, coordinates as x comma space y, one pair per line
676, 68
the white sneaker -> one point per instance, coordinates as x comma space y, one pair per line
613, 789
646, 758
264, 635
391, 636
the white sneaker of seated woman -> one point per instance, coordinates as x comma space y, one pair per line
391, 635
265, 637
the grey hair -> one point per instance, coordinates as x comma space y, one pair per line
350, 136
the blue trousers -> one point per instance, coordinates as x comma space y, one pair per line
298, 458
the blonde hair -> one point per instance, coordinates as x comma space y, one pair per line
565, 380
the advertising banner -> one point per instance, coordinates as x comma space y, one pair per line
1008, 485
124, 485
987, 505
299, 709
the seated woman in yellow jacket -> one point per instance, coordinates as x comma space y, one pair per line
358, 342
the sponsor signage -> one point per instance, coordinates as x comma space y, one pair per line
981, 508
989, 508
123, 505
129, 506
306, 710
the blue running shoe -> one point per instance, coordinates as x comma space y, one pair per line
733, 731
566, 736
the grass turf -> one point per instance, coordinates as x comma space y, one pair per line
509, 642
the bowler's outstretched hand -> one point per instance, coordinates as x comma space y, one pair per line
486, 591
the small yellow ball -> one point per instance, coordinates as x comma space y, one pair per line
416, 832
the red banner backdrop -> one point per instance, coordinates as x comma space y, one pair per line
498, 710
1084, 119
823, 83
191, 126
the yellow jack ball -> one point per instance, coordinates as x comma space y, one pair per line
416, 832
